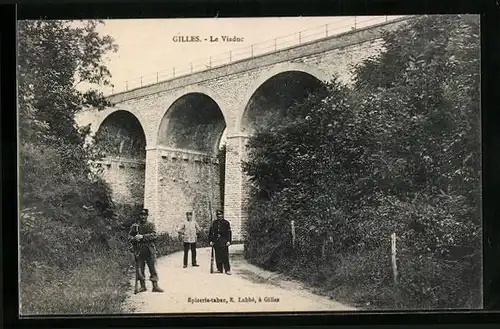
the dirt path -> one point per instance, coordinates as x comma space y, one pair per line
249, 289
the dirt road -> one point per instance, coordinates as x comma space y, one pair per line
249, 289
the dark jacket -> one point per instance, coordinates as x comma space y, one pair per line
220, 232
147, 243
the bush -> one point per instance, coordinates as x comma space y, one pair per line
68, 231
397, 152
268, 232
431, 282
166, 245
66, 269
126, 215
94, 285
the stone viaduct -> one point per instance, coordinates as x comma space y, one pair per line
174, 127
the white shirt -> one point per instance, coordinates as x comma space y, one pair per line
189, 230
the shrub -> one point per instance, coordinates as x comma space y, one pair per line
398, 152
68, 231
66, 269
167, 245
431, 282
94, 285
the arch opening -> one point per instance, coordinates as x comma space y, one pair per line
122, 143
269, 107
271, 102
193, 122
121, 135
189, 139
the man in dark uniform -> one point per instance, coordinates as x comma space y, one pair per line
142, 235
219, 236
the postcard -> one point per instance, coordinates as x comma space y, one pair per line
222, 165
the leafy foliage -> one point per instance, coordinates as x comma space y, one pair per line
54, 57
67, 218
396, 152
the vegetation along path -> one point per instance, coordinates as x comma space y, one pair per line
194, 289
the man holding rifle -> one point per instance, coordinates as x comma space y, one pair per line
142, 235
220, 238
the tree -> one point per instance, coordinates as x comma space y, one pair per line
54, 58
396, 152
302, 170
429, 105
421, 97
57, 186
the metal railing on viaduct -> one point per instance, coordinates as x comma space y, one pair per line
277, 44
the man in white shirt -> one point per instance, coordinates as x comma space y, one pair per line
189, 229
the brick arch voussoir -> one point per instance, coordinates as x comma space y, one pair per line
268, 74
167, 106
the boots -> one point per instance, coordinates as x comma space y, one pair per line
156, 288
142, 288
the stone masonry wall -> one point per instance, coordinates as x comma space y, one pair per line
231, 87
151, 186
354, 37
186, 182
126, 179
233, 190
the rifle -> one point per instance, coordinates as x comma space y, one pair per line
212, 255
136, 257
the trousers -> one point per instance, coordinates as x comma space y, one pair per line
148, 258
191, 246
222, 258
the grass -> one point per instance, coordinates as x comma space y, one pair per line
97, 285
364, 280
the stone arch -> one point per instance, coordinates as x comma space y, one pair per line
133, 134
122, 138
98, 123
269, 74
213, 118
187, 138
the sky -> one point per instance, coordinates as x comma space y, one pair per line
147, 46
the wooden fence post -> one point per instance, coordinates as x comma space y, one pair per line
323, 248
293, 233
394, 259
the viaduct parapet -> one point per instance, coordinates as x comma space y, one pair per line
174, 127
